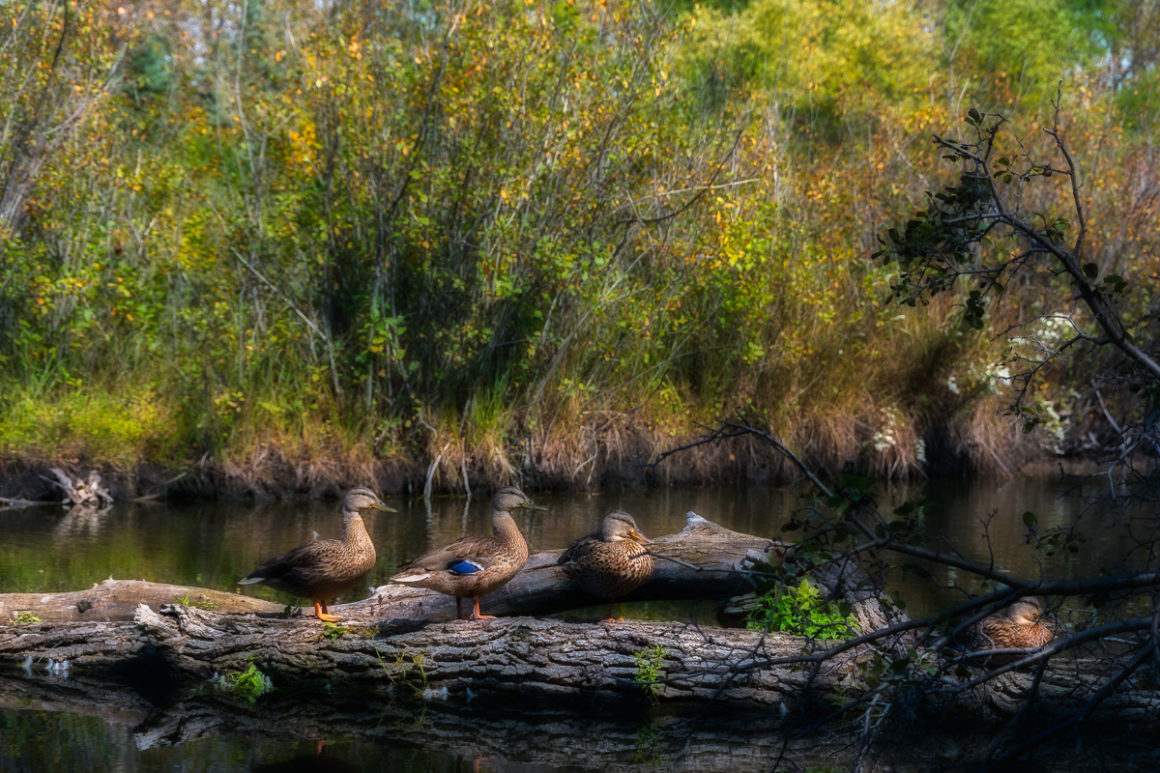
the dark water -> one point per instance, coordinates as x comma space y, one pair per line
214, 544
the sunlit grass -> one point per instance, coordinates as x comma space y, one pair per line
121, 428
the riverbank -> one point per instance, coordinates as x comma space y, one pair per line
627, 457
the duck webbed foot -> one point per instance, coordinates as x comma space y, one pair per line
322, 614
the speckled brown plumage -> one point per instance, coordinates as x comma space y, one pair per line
1018, 626
474, 566
612, 563
326, 568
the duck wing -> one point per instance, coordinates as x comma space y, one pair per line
467, 555
303, 559
580, 549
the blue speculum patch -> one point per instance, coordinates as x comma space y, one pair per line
465, 567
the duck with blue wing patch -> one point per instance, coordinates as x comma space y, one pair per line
474, 566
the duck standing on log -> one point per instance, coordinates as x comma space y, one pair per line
474, 566
326, 568
611, 563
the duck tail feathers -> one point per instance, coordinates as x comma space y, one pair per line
411, 575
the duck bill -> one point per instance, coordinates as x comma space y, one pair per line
384, 508
530, 505
636, 535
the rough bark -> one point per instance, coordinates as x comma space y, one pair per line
514, 656
118, 600
548, 660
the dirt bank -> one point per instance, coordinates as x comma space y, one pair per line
626, 457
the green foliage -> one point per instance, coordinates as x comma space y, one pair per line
650, 669
249, 683
1029, 45
25, 618
496, 229
800, 610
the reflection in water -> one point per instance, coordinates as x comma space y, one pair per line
79, 522
317, 762
90, 727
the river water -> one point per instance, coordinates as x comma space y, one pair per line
212, 544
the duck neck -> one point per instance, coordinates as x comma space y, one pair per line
503, 526
354, 531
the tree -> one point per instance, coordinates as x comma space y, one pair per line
989, 228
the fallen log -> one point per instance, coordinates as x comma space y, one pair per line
118, 599
635, 666
704, 560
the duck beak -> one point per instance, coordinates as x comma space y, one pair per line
383, 508
636, 535
530, 505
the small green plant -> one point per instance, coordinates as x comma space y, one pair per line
335, 631
407, 669
186, 601
25, 618
250, 683
650, 669
800, 610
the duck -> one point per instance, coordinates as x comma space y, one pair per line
611, 563
326, 568
1018, 626
475, 566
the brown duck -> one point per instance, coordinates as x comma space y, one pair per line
612, 563
1018, 626
474, 566
326, 568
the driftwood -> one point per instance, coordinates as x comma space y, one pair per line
12, 503
704, 560
81, 493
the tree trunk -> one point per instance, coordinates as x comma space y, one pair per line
549, 661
